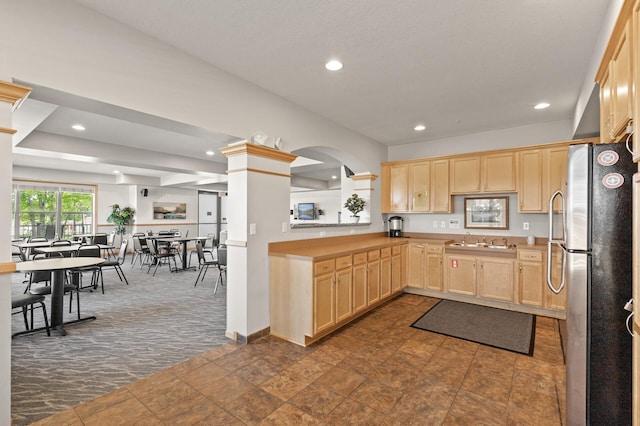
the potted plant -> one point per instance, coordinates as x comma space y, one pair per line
355, 205
121, 217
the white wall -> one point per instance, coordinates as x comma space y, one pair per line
538, 223
328, 201
534, 134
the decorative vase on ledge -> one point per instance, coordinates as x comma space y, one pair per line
355, 219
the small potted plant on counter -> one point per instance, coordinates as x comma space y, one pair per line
355, 205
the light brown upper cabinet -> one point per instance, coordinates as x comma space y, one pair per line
484, 174
541, 172
615, 79
416, 187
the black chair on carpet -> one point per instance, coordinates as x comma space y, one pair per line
44, 278
203, 263
117, 264
96, 271
26, 303
222, 265
158, 258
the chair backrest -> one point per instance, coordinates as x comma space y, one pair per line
144, 244
39, 276
112, 238
123, 251
167, 233
152, 248
222, 255
61, 243
39, 240
200, 252
210, 241
136, 243
89, 251
138, 234
49, 232
99, 239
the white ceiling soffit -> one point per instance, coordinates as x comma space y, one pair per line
457, 66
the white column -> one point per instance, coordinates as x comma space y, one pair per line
10, 97
258, 212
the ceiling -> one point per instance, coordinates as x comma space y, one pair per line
457, 66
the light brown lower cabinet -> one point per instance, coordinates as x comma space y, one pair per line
310, 299
496, 278
435, 276
360, 282
460, 274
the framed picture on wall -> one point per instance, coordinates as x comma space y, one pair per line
169, 210
486, 213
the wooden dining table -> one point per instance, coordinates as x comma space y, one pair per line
57, 266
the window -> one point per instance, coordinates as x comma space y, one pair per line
51, 210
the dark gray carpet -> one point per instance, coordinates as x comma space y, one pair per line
150, 325
513, 331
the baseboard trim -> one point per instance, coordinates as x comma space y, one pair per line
234, 335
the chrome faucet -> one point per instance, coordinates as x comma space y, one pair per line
464, 239
504, 241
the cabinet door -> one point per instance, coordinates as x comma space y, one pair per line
359, 287
499, 172
557, 161
396, 273
530, 182
419, 177
344, 298
552, 300
440, 196
324, 315
495, 278
398, 185
606, 109
434, 271
531, 282
465, 175
460, 274
385, 277
416, 265
621, 84
373, 282
385, 188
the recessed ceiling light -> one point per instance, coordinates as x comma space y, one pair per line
333, 65
78, 127
334, 177
420, 127
542, 105
210, 153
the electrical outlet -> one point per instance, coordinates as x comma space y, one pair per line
435, 224
443, 224
525, 226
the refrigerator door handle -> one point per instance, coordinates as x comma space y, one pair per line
559, 242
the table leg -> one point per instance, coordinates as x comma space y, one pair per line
57, 301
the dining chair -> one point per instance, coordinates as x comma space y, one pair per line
209, 245
158, 257
89, 250
44, 278
116, 264
27, 302
63, 243
100, 238
222, 265
29, 251
140, 249
203, 263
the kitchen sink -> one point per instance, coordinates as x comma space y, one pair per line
480, 245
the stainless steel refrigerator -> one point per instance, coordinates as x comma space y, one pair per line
595, 239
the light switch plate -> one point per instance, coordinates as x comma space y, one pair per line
252, 229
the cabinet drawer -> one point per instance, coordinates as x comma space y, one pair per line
396, 250
531, 255
434, 249
373, 255
343, 262
324, 267
385, 252
360, 258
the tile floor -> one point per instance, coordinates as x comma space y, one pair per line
378, 370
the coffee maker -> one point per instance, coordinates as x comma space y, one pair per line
395, 226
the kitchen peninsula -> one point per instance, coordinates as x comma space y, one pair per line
319, 285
